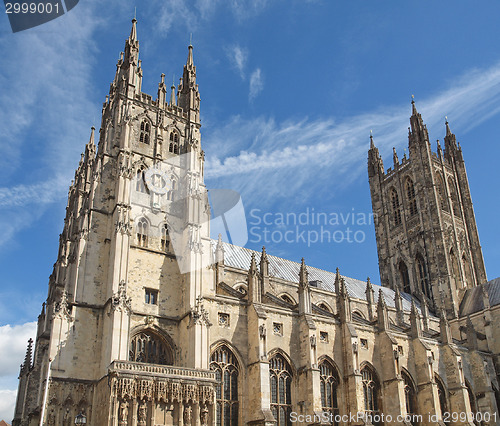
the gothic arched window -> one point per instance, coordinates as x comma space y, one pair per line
142, 232
145, 132
412, 199
410, 395
171, 193
174, 143
287, 299
226, 368
371, 391
281, 389
150, 348
396, 208
455, 270
423, 276
329, 383
325, 307
165, 238
140, 185
454, 197
467, 271
442, 395
442, 193
405, 277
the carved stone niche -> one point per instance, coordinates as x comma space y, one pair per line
142, 413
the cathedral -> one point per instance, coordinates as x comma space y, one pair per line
148, 321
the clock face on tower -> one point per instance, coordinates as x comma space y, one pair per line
157, 181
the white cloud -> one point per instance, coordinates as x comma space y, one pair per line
12, 351
256, 84
14, 340
238, 57
7, 404
285, 159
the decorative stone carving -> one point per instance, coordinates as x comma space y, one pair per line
187, 415
123, 415
142, 414
312, 339
199, 315
204, 416
62, 309
120, 301
262, 331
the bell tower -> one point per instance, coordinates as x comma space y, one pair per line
427, 238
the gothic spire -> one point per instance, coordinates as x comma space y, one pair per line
375, 163
28, 357
303, 273
172, 94
189, 97
395, 157
162, 91
372, 144
133, 31
418, 128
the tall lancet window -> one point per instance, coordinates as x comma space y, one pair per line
329, 383
142, 232
396, 208
467, 271
410, 396
280, 374
412, 199
371, 393
442, 395
442, 193
165, 238
174, 143
226, 368
140, 185
145, 132
423, 276
405, 277
454, 197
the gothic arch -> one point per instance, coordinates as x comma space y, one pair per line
423, 276
325, 306
371, 389
442, 394
329, 386
404, 276
455, 201
241, 287
161, 336
228, 371
278, 351
395, 206
281, 379
411, 196
358, 313
328, 358
467, 268
441, 192
287, 298
455, 269
223, 342
472, 397
410, 391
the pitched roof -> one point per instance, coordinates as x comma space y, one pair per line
240, 257
473, 298
4, 423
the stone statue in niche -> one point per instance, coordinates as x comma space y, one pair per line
123, 413
204, 416
141, 414
187, 415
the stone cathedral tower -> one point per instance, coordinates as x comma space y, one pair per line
133, 202
427, 238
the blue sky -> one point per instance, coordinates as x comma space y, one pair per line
290, 91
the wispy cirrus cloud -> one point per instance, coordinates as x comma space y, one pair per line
256, 84
288, 156
238, 57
